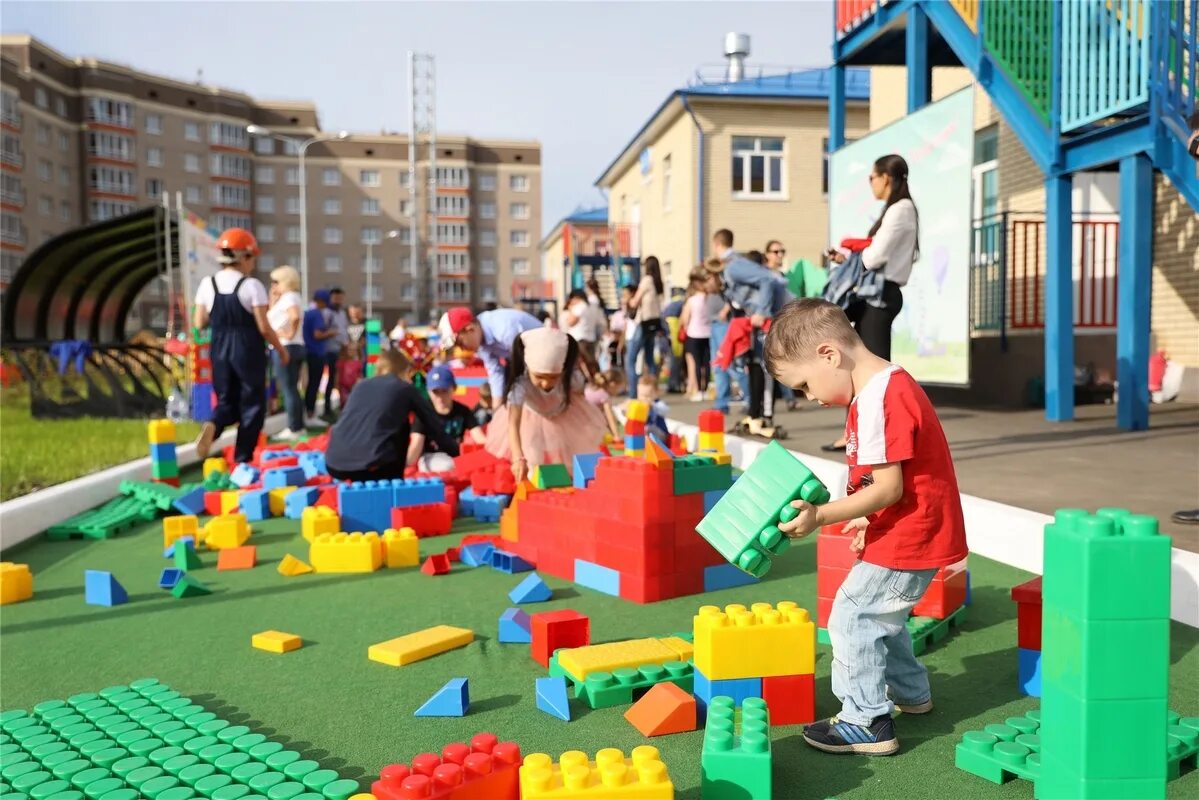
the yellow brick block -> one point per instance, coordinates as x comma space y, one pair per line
420, 645
230, 501
227, 530
719, 458
16, 583
346, 552
278, 499
756, 642
174, 527
316, 520
276, 641
643, 776
291, 566
711, 441
583, 661
400, 548
637, 411
162, 431
214, 464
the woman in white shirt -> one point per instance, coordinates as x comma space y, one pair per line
285, 316
647, 302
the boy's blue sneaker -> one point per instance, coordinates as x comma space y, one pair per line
834, 736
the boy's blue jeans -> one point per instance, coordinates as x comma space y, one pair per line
720, 376
871, 646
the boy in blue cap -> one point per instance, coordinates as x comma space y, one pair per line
457, 421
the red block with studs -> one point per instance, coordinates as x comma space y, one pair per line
1028, 614
945, 595
431, 519
487, 769
554, 629
790, 698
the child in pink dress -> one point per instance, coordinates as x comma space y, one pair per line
545, 418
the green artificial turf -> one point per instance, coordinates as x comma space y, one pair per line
355, 716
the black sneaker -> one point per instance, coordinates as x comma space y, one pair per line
834, 736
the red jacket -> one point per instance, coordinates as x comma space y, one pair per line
736, 341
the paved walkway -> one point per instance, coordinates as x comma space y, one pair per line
1018, 458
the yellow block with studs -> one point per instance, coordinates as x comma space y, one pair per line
215, 464
346, 552
642, 776
420, 645
637, 411
230, 501
400, 548
162, 431
225, 531
16, 583
276, 641
174, 527
719, 458
291, 566
711, 441
278, 499
757, 642
316, 520
632, 653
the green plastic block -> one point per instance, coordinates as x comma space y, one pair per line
1004, 751
624, 686
743, 525
552, 476
186, 558
1106, 660
164, 469
736, 759
187, 586
1111, 739
926, 631
697, 474
103, 522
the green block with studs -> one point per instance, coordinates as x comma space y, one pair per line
736, 761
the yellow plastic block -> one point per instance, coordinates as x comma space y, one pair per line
757, 642
291, 566
16, 583
420, 645
346, 552
276, 641
719, 458
362, 797
230, 501
682, 648
215, 464
400, 548
609, 777
316, 520
278, 499
637, 411
162, 431
583, 661
711, 441
227, 530
174, 527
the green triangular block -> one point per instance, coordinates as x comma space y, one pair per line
186, 558
187, 586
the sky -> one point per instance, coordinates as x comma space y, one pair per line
579, 77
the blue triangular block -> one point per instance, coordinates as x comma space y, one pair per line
191, 503
477, 554
515, 627
170, 576
102, 589
531, 590
451, 700
511, 563
170, 551
551, 697
584, 469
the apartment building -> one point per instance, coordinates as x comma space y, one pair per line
86, 141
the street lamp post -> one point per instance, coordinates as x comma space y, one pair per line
302, 146
370, 271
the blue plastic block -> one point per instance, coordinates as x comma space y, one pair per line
511, 563
243, 475
256, 504
711, 498
634, 442
415, 492
190, 503
365, 506
170, 551
1028, 669
163, 453
313, 464
451, 700
583, 469
551, 697
967, 601
477, 554
531, 590
593, 576
515, 627
466, 502
489, 507
102, 589
725, 576
169, 577
201, 402
280, 477
295, 502
271, 455
738, 689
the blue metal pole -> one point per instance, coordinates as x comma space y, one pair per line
836, 107
1059, 300
1133, 292
920, 72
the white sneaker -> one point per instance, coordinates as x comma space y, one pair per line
698, 397
287, 435
315, 422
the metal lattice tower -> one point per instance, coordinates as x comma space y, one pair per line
422, 94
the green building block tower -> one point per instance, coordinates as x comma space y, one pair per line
1106, 640
736, 759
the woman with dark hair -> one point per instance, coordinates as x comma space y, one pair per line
894, 247
647, 302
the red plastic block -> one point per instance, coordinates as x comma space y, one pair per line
790, 698
1028, 614
829, 580
832, 548
451, 498
554, 629
437, 564
633, 427
319, 480
1028, 592
467, 464
711, 421
328, 497
497, 479
431, 519
486, 770
212, 503
244, 557
945, 595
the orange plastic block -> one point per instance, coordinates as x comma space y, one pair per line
16, 583
657, 455
227, 530
664, 709
244, 557
174, 527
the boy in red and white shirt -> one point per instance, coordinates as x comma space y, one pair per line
903, 507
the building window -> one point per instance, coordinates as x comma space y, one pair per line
291, 147
110, 145
64, 176
758, 166
332, 206
226, 134
64, 211
60, 107
487, 266
154, 188
265, 233
191, 162
369, 177
264, 146
293, 176
12, 151
154, 156
488, 295
454, 291
264, 175
332, 263
100, 210
370, 207
42, 134
371, 235
518, 210
405, 179
64, 142
226, 196
293, 234
486, 210
372, 265
264, 204
405, 208
332, 235
230, 166
40, 98
375, 294
454, 263
45, 205
406, 265
191, 131
487, 238
666, 182
518, 238
451, 233
454, 205
293, 205
266, 261
453, 177
45, 170
486, 183
986, 173
154, 123
192, 194
331, 176
520, 266
407, 292
518, 183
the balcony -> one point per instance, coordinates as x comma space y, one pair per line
112, 187
15, 158
12, 118
14, 197
532, 290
